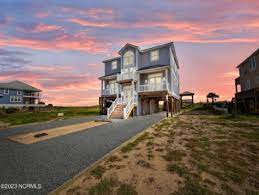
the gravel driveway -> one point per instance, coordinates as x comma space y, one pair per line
52, 162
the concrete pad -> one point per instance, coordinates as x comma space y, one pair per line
29, 138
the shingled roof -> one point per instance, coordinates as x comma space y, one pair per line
18, 85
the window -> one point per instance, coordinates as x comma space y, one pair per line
241, 71
113, 87
114, 65
19, 92
128, 58
248, 84
252, 63
6, 91
15, 99
155, 81
257, 80
154, 55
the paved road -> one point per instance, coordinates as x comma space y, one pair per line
54, 161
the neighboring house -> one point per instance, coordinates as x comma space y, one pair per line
18, 94
136, 80
247, 84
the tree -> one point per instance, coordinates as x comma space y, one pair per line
213, 97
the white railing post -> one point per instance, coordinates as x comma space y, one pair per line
128, 108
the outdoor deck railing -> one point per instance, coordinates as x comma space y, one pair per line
35, 95
126, 76
109, 91
153, 87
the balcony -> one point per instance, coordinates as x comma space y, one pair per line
31, 95
106, 92
126, 76
153, 87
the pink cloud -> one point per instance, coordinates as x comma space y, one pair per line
60, 86
46, 28
78, 41
88, 23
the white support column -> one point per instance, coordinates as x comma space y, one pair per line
117, 89
166, 78
101, 86
138, 82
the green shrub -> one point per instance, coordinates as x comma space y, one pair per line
11, 110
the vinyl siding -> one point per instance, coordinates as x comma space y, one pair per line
164, 58
5, 99
108, 67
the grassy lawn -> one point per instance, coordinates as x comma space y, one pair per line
198, 152
19, 118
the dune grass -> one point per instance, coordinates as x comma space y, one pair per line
19, 118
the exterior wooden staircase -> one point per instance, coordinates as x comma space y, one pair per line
118, 112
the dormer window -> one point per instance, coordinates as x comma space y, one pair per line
128, 58
114, 65
154, 55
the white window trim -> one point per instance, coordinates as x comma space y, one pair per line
19, 92
114, 64
154, 55
15, 99
128, 58
6, 91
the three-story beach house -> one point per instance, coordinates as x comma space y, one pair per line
138, 79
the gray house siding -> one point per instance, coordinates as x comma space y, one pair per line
164, 58
108, 67
5, 99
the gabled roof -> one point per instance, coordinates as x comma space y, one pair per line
146, 50
156, 47
186, 93
111, 59
128, 45
254, 53
18, 85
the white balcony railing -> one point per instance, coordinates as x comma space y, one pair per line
31, 95
126, 76
109, 91
153, 87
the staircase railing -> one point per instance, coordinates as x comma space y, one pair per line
129, 107
113, 106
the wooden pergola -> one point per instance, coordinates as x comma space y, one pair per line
212, 96
188, 94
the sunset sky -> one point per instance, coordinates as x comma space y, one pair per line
58, 46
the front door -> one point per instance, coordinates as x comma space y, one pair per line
127, 93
